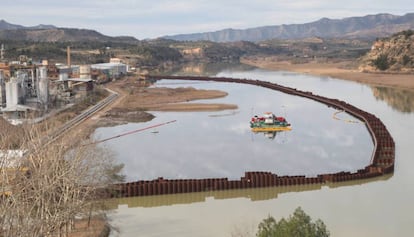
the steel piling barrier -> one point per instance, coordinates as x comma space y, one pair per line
382, 159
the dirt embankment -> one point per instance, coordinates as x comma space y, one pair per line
136, 99
340, 70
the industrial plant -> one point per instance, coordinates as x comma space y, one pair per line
30, 91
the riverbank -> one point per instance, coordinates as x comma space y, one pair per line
341, 70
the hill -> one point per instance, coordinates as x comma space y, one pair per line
50, 33
392, 54
60, 35
369, 27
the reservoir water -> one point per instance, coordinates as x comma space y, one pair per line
220, 144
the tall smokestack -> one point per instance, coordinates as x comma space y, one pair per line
68, 54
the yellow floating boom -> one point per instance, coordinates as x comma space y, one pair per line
271, 129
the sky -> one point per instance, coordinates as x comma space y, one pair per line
145, 19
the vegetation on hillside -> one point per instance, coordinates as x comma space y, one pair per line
161, 53
153, 55
319, 48
87, 52
392, 54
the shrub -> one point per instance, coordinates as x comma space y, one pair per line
381, 62
406, 60
299, 224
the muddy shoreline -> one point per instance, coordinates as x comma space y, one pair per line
345, 70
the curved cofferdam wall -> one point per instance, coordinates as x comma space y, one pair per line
382, 160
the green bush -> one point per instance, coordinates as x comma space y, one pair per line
406, 60
297, 225
381, 62
406, 33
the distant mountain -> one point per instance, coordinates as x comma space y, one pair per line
370, 26
41, 26
4, 25
61, 35
50, 33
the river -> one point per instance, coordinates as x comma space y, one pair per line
220, 144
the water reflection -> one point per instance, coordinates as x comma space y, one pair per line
256, 194
209, 69
399, 99
216, 145
272, 135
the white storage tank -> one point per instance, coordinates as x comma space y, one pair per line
63, 76
85, 71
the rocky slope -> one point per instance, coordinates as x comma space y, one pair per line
392, 54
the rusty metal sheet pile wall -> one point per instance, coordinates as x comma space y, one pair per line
382, 160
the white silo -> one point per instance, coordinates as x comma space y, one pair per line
43, 86
85, 71
12, 93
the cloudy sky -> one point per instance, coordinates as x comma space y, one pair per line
154, 18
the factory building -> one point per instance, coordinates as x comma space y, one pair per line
74, 82
27, 91
112, 70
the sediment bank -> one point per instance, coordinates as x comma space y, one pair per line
340, 70
137, 100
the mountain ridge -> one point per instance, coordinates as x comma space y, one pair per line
51, 33
369, 26
4, 25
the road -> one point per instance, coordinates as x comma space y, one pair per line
81, 117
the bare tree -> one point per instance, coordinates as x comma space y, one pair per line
46, 189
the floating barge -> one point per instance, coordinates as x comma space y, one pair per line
269, 123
